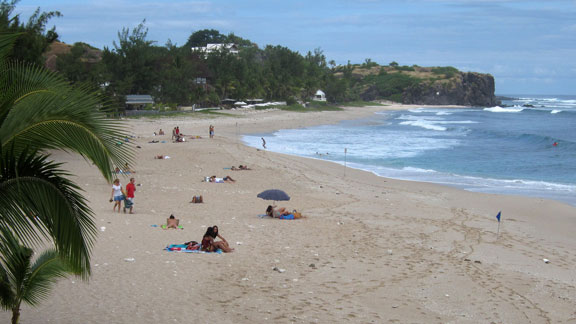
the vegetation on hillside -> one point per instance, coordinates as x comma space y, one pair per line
180, 76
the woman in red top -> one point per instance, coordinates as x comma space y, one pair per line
209, 245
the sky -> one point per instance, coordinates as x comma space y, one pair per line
529, 46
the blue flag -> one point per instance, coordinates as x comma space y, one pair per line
498, 216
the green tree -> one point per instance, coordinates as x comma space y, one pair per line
205, 36
82, 65
33, 39
25, 280
40, 111
133, 64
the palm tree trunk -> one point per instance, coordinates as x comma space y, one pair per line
16, 314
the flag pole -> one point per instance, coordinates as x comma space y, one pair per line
345, 151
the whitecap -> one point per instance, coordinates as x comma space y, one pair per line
555, 111
412, 169
424, 124
499, 109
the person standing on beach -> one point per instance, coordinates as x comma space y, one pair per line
211, 131
117, 195
130, 189
263, 142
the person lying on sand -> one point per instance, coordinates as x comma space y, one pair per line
225, 179
276, 212
161, 157
240, 168
172, 222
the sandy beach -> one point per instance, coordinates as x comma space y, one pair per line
369, 250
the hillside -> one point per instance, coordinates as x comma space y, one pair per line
85, 53
420, 85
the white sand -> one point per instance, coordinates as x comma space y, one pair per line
371, 250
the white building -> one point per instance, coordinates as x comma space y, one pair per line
212, 48
319, 96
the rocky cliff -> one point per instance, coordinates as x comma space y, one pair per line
464, 88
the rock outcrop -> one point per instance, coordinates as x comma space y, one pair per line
464, 88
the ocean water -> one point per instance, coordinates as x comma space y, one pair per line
506, 150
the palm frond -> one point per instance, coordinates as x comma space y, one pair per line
44, 273
40, 110
37, 200
6, 42
15, 261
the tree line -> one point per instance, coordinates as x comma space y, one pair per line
178, 75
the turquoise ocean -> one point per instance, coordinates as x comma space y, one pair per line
527, 147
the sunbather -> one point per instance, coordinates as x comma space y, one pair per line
197, 199
225, 179
240, 168
223, 244
209, 245
172, 222
276, 212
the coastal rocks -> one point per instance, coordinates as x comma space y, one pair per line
465, 89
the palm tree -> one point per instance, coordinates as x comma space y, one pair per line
22, 280
40, 111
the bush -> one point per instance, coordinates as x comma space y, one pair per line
291, 101
397, 97
404, 68
448, 71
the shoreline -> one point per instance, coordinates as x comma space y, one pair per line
370, 249
517, 192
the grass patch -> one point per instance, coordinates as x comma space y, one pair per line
313, 106
193, 114
360, 104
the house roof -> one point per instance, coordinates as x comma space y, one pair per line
139, 99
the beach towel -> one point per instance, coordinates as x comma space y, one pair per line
164, 226
182, 248
289, 216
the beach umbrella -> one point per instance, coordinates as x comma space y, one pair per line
273, 194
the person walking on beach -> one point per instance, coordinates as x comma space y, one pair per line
263, 142
117, 195
211, 131
129, 202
